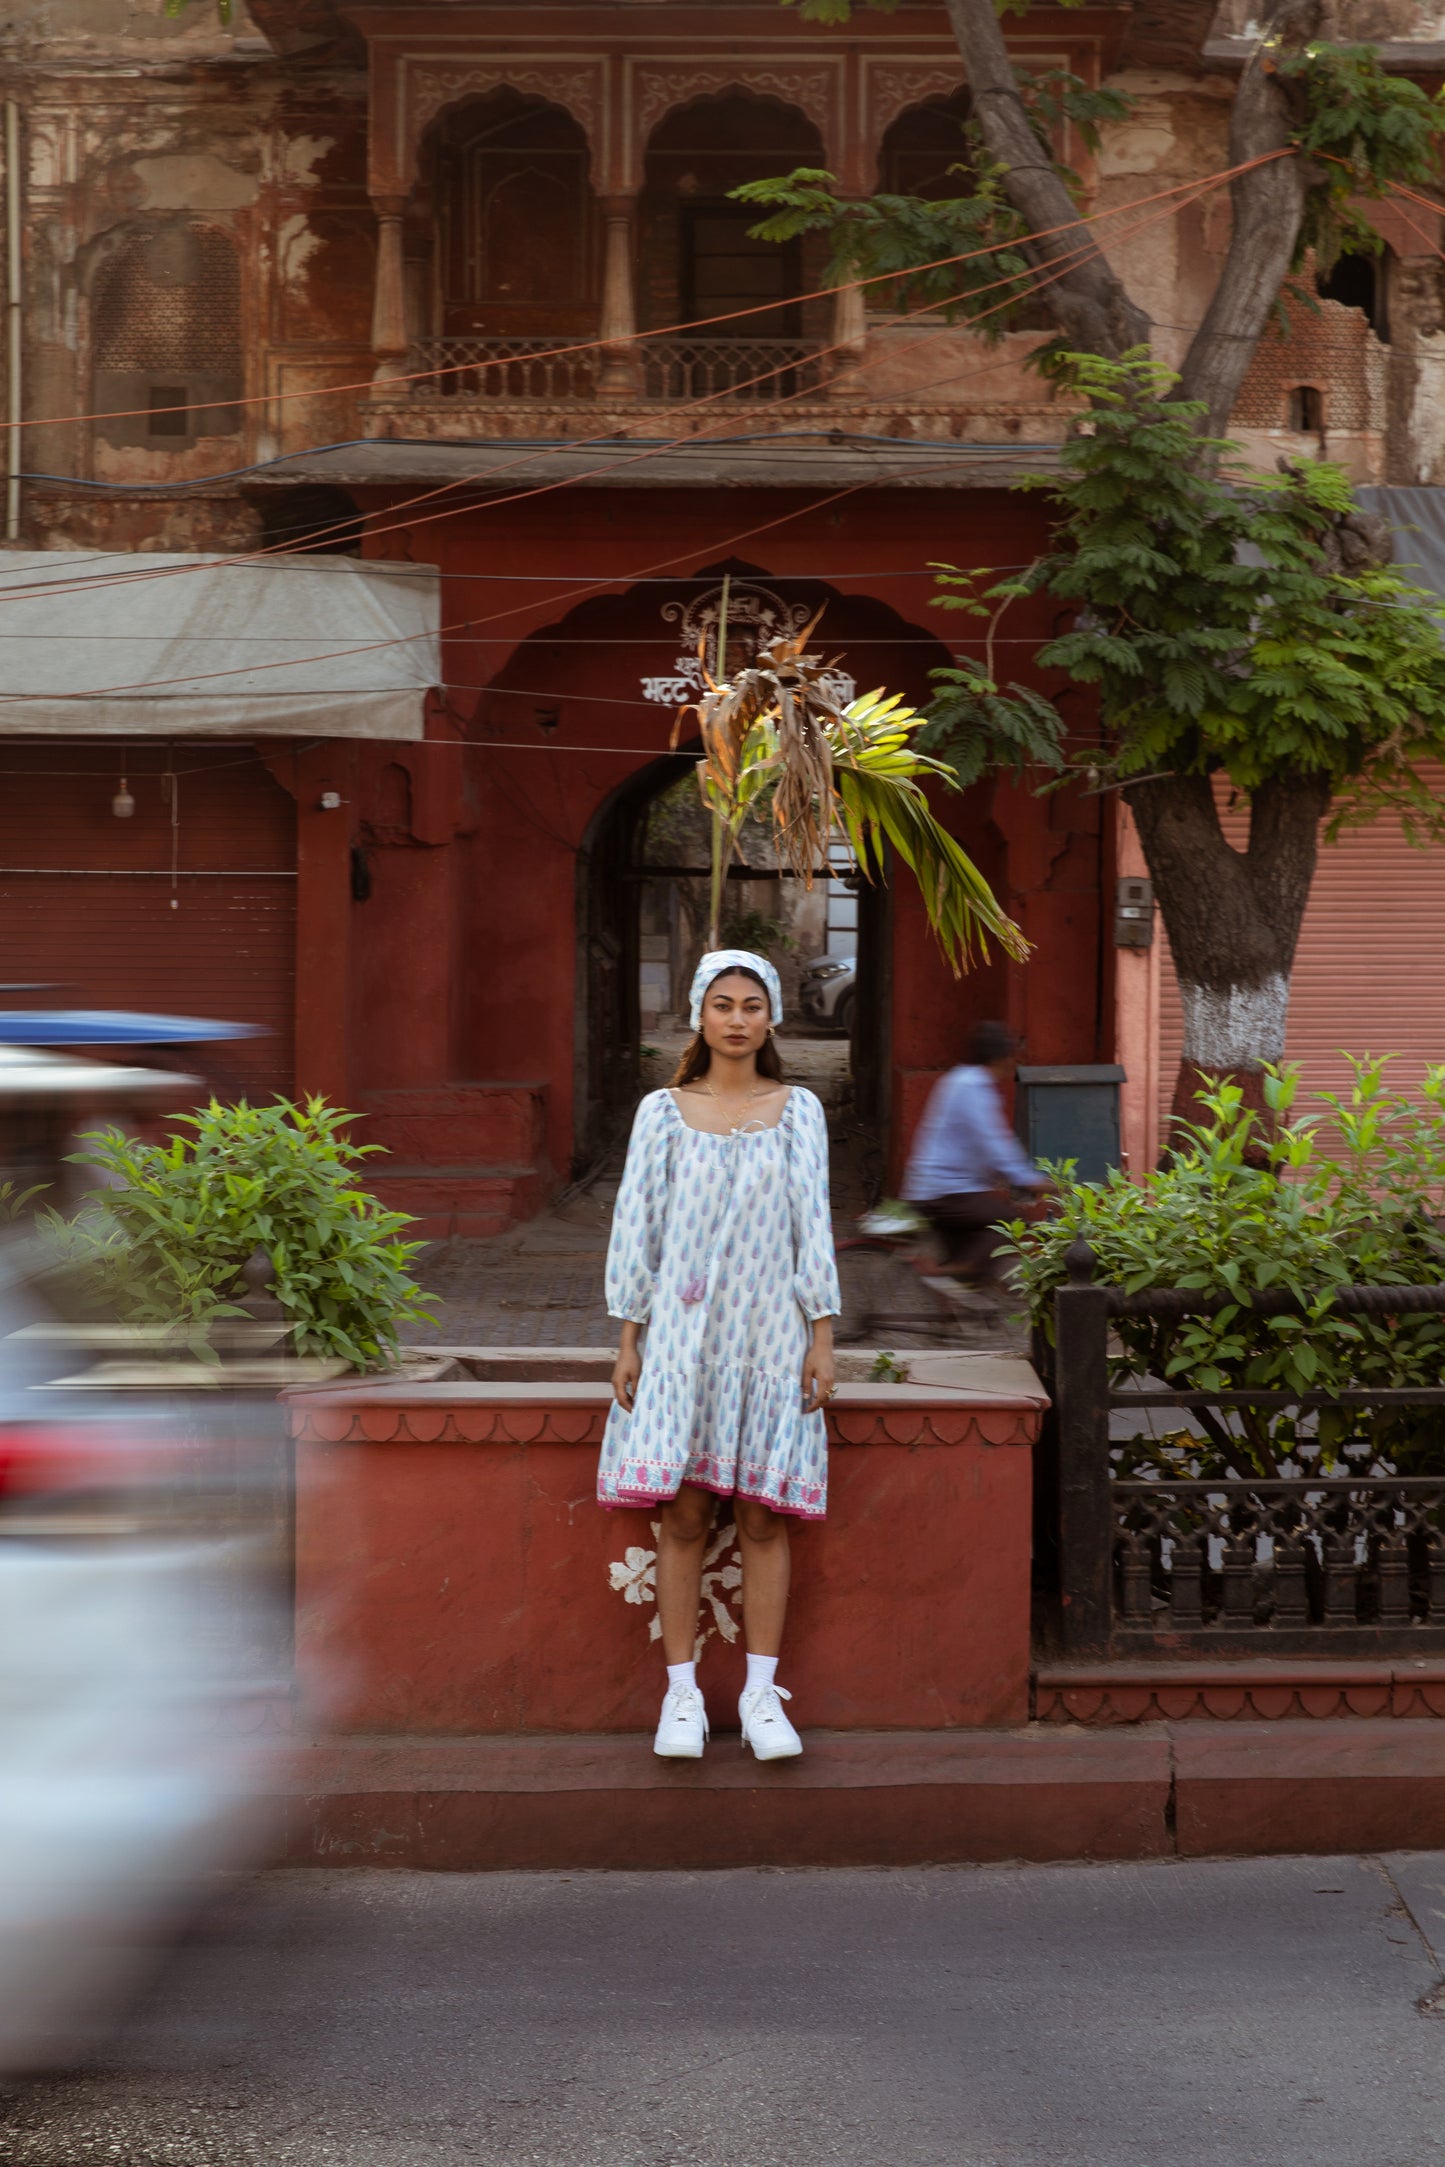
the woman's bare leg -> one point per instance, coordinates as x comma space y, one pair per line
767, 1564
686, 1521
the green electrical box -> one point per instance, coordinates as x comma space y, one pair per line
1071, 1113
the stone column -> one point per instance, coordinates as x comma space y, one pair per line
850, 336
621, 374
388, 310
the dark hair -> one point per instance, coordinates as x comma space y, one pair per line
990, 1042
697, 1057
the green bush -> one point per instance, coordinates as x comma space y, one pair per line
1244, 1207
168, 1241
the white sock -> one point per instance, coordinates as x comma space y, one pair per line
761, 1671
681, 1674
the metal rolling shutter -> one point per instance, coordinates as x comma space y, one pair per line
85, 898
1369, 974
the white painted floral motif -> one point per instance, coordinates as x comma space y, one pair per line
633, 1576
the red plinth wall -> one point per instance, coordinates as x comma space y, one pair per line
462, 1616
455, 1576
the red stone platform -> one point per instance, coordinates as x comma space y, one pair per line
869, 1798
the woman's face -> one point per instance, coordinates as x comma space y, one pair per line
735, 1015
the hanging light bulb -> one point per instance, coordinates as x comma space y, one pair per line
123, 804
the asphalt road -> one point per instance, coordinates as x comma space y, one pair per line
1167, 2015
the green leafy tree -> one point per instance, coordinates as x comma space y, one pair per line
1299, 664
1223, 622
169, 1241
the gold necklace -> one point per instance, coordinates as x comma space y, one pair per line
758, 1091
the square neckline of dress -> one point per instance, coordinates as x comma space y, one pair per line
762, 1128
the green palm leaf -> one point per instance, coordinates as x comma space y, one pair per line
775, 735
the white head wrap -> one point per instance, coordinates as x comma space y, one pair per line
722, 960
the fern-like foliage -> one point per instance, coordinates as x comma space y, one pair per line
977, 727
891, 238
903, 242
1222, 619
1366, 132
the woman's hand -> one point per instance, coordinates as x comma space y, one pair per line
819, 1368
627, 1368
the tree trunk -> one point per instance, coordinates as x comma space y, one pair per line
1089, 302
1268, 205
1233, 918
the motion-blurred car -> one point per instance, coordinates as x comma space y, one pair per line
139, 1630
143, 1531
827, 992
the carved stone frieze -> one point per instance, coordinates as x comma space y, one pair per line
384, 1419
1103, 1702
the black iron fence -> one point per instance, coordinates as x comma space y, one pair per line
1337, 1555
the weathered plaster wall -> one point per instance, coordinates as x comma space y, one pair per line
195, 133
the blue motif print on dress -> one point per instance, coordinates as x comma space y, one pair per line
745, 1218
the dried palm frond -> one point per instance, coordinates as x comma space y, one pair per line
778, 723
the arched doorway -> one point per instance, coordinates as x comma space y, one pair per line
643, 884
505, 237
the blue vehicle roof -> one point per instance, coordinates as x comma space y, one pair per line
112, 1027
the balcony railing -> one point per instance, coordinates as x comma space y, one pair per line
503, 369
730, 368
661, 369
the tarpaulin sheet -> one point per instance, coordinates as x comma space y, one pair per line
199, 646
1417, 520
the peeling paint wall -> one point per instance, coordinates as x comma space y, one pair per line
140, 131
141, 134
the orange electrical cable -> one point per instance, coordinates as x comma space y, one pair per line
88, 582
467, 624
1060, 268
821, 293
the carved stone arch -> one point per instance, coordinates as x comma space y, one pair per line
434, 87
659, 89
892, 86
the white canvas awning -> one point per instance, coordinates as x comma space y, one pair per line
104, 643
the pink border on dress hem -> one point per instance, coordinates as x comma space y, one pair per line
636, 1498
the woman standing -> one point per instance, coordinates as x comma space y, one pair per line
722, 1250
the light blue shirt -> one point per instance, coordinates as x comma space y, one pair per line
963, 1143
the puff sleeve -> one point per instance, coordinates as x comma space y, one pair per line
815, 1268
634, 1250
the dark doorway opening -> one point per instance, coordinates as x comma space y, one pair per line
643, 913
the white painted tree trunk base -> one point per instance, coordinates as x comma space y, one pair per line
1234, 1026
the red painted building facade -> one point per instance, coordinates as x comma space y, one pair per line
403, 281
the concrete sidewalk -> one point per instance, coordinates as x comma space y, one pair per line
1245, 2013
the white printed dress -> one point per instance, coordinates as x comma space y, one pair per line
723, 1247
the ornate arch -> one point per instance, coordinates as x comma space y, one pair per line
430, 86
658, 87
894, 85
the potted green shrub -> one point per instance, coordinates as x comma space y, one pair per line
168, 1239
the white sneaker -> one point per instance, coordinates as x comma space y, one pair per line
682, 1726
765, 1727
